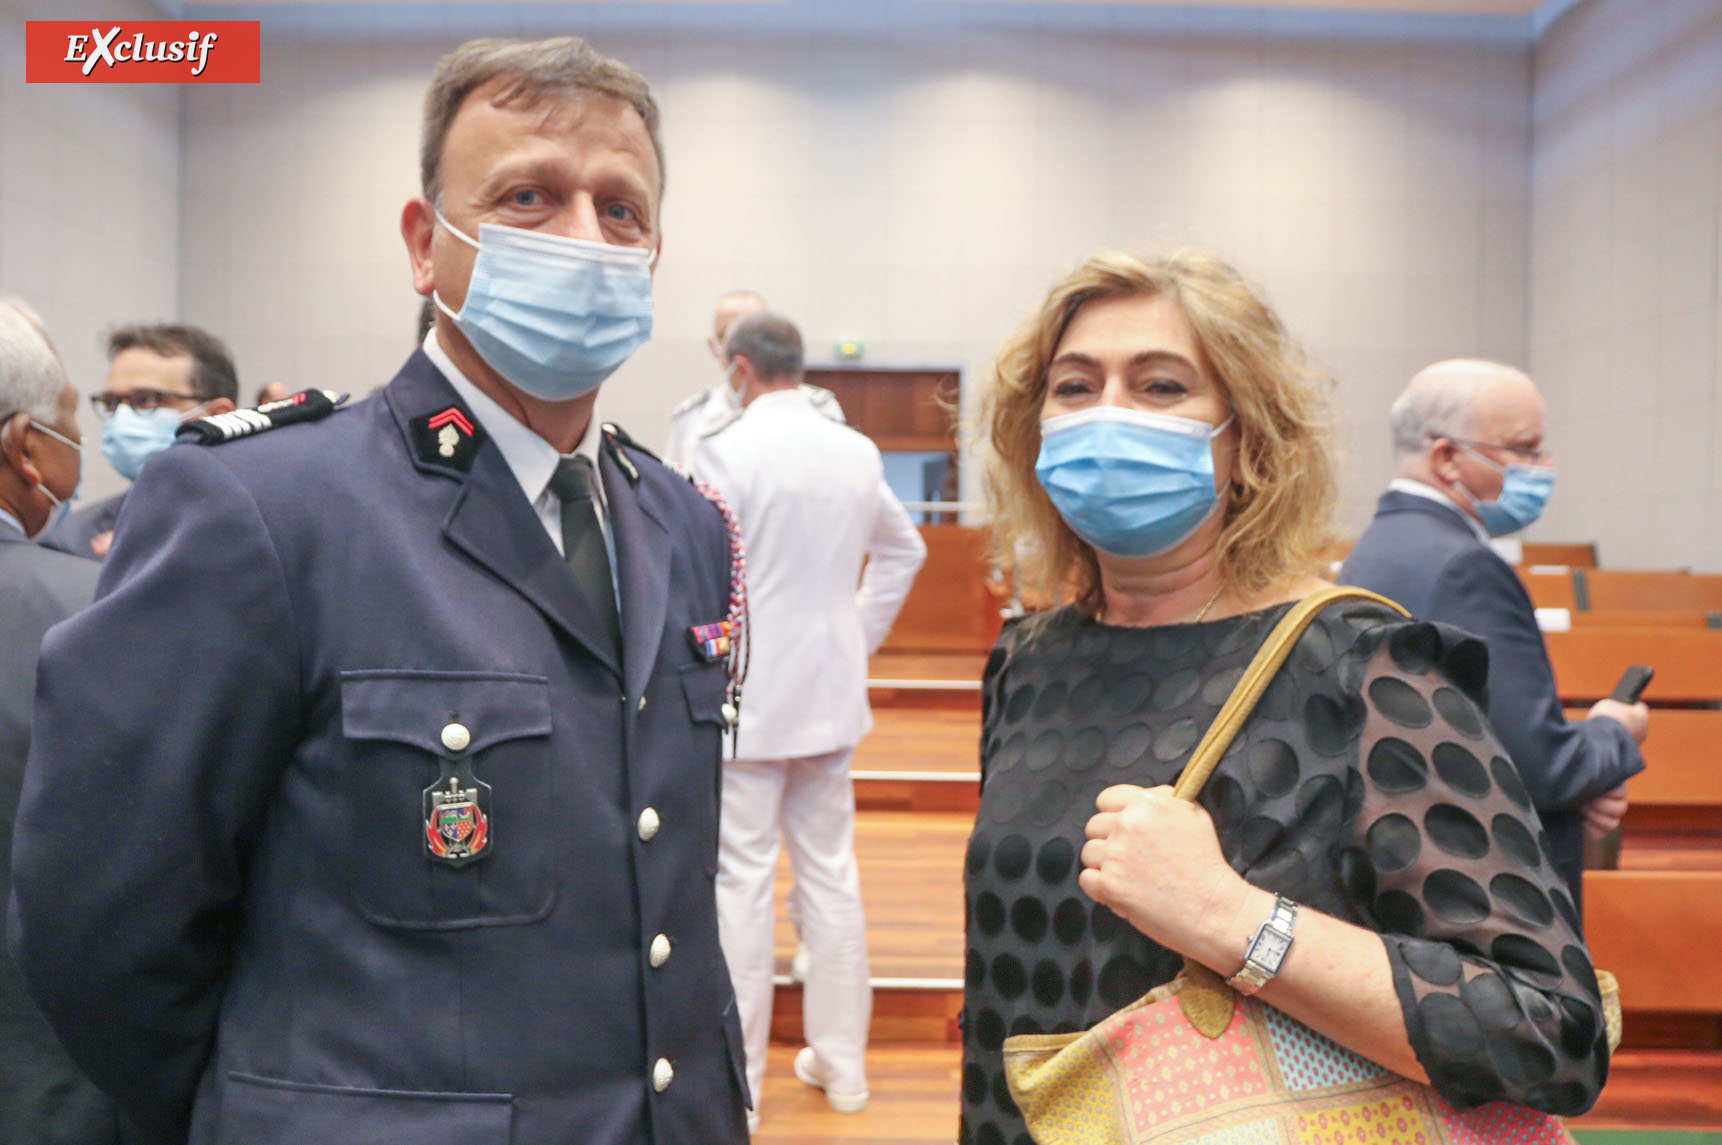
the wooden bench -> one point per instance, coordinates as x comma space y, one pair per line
1645, 921
1608, 590
1578, 556
1654, 930
1623, 619
1588, 662
1550, 590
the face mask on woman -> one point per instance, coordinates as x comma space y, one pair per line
1525, 491
555, 316
1130, 483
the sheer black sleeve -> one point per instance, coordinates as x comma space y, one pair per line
1447, 861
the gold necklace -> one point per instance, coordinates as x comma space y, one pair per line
1100, 614
1202, 614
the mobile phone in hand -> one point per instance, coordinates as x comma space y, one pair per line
1632, 683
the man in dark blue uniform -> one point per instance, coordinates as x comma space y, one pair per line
1472, 464
413, 840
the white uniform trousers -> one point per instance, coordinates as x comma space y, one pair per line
812, 801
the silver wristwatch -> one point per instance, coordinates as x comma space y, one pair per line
1266, 952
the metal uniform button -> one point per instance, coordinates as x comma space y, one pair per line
642, 703
660, 951
663, 1073
455, 737
648, 825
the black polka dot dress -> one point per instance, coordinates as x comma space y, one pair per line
1366, 785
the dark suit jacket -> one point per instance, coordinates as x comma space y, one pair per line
228, 909
1423, 554
81, 526
44, 1099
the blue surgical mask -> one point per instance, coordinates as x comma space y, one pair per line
1525, 491
1130, 483
131, 437
554, 316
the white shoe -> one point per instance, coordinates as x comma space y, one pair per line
752, 1122
798, 965
807, 1069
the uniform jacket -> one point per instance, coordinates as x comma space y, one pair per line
813, 505
226, 904
1423, 554
44, 1099
710, 411
81, 526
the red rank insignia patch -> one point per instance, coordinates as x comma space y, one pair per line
447, 438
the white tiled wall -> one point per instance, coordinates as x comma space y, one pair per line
913, 175
1627, 198
89, 204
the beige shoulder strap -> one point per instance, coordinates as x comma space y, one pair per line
1258, 676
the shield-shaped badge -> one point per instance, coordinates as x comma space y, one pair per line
457, 819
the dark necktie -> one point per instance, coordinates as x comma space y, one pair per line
583, 540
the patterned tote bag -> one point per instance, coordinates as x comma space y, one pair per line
1192, 1061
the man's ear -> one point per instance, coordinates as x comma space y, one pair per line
418, 227
15, 449
1443, 460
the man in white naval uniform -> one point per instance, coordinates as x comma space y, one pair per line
712, 409
813, 505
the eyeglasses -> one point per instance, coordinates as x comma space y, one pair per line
143, 399
1531, 456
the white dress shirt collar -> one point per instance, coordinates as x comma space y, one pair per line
532, 459
1416, 488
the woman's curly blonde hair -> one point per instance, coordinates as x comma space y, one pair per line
1279, 515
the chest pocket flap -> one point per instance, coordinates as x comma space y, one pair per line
414, 708
399, 727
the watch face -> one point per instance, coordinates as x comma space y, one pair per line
1271, 947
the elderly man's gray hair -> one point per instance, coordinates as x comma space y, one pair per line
32, 376
1441, 401
770, 341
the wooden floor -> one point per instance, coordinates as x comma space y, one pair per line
912, 889
915, 1091
966, 667
922, 740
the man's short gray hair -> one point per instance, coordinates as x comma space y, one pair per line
531, 71
770, 341
1439, 402
32, 377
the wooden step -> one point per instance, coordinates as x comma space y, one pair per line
920, 759
942, 680
915, 1086
912, 891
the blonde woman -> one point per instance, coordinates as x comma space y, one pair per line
1163, 465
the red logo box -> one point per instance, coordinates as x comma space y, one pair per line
142, 51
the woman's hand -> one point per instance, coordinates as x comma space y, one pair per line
1155, 860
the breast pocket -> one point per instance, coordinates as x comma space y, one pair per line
483, 852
